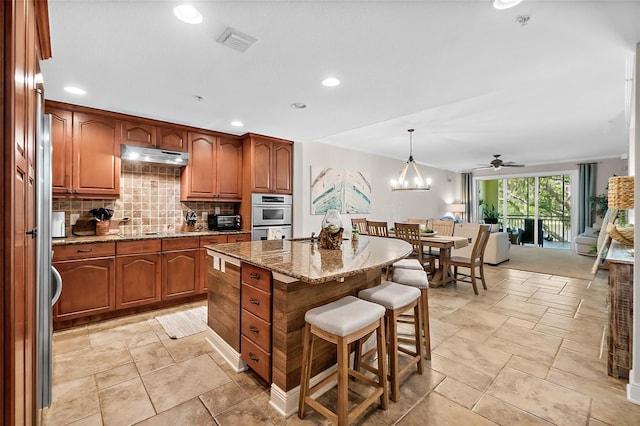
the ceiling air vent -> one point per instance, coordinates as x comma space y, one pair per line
236, 40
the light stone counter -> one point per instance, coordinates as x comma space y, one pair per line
304, 261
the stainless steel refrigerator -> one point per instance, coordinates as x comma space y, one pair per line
49, 283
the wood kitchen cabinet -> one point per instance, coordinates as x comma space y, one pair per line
214, 169
138, 273
88, 276
180, 267
85, 154
269, 164
215, 239
151, 136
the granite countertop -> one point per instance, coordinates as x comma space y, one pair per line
304, 261
133, 237
619, 253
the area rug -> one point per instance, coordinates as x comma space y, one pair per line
184, 323
566, 263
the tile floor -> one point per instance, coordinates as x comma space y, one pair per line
527, 351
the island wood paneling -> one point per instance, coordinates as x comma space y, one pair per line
223, 314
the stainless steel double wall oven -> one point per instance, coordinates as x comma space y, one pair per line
271, 216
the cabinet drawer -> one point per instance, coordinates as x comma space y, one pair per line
256, 358
213, 239
180, 243
256, 330
238, 238
138, 247
83, 251
256, 301
257, 277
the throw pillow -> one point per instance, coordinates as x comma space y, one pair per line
591, 232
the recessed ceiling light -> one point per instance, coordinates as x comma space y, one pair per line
187, 14
237, 123
330, 82
298, 105
505, 4
75, 90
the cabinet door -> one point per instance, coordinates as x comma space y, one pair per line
229, 169
262, 165
198, 179
282, 168
137, 280
171, 138
138, 134
87, 289
96, 156
61, 139
180, 273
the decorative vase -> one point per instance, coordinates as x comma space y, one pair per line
331, 233
102, 227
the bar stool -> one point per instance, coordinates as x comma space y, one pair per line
343, 322
409, 264
396, 299
418, 279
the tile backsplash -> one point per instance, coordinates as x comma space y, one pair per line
149, 197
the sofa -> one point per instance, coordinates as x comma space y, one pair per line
587, 241
498, 246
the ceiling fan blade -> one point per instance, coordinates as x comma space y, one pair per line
512, 165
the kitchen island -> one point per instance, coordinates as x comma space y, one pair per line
259, 292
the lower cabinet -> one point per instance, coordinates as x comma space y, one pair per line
180, 267
215, 239
138, 273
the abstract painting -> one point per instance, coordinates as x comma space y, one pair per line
348, 191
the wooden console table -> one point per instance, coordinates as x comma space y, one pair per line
621, 309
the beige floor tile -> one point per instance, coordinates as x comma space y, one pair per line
523, 351
589, 336
512, 306
521, 323
71, 340
86, 362
250, 383
223, 397
93, 420
527, 366
585, 349
458, 392
474, 355
116, 375
181, 382
157, 328
262, 402
581, 365
531, 338
191, 413
594, 422
125, 403
504, 414
481, 322
438, 410
136, 334
72, 401
467, 375
539, 397
151, 357
188, 347
244, 413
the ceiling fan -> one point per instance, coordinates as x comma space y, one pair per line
497, 163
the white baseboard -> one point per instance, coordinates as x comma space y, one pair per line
633, 390
226, 351
286, 403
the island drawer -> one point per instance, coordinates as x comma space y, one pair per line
256, 301
256, 358
256, 329
257, 277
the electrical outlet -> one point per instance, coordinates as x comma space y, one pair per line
74, 218
205, 215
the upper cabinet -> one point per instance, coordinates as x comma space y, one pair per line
214, 169
85, 154
269, 164
150, 136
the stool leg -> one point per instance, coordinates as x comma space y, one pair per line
343, 381
424, 301
305, 377
391, 320
382, 364
417, 315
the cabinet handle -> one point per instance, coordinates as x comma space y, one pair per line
85, 250
254, 301
75, 191
67, 190
254, 276
253, 358
254, 329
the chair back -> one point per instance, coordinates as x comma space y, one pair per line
410, 232
422, 222
360, 224
444, 228
379, 229
481, 243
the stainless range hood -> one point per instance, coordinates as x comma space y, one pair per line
151, 155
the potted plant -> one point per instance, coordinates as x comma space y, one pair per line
490, 214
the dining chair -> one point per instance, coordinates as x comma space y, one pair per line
360, 224
475, 261
379, 229
444, 228
410, 232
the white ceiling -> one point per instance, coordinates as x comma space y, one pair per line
470, 79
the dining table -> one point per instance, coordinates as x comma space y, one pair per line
444, 244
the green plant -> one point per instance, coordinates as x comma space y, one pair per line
490, 213
602, 204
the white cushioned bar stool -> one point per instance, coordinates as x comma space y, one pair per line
409, 264
343, 322
396, 299
418, 279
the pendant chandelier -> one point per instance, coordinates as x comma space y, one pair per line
410, 178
